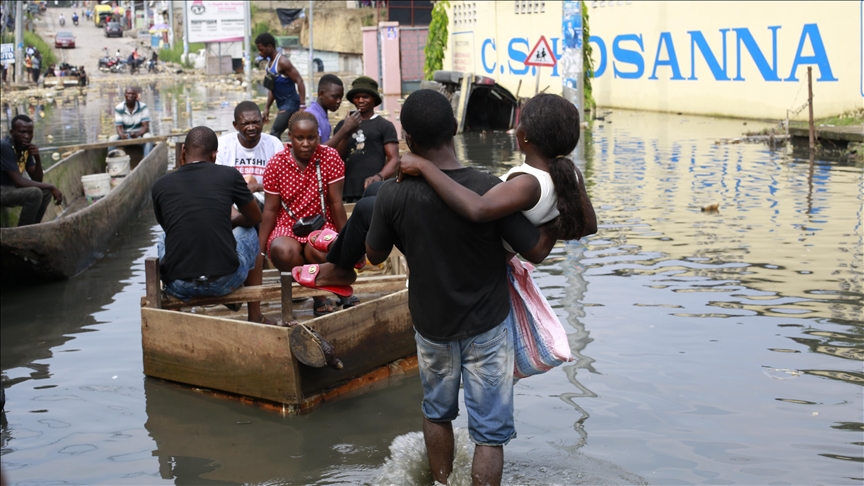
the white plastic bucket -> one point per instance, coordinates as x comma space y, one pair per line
115, 181
117, 166
96, 185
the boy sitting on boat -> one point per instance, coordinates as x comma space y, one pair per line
18, 155
207, 249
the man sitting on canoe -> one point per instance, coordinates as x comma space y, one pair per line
17, 155
199, 253
132, 119
248, 151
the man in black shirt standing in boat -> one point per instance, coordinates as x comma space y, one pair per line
458, 296
199, 253
17, 155
371, 153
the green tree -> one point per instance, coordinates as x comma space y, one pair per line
437, 39
587, 62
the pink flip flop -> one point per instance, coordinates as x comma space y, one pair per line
323, 239
307, 274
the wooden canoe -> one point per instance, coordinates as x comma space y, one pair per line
374, 341
73, 236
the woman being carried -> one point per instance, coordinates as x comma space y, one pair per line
302, 181
549, 190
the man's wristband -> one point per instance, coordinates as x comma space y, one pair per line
381, 176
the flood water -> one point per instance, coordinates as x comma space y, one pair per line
712, 348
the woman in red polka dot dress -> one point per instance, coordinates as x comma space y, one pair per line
291, 181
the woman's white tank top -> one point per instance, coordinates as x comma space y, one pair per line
546, 208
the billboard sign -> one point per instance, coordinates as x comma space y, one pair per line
216, 21
7, 52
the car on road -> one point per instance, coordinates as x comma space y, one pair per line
113, 29
64, 39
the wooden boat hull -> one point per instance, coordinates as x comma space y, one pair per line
64, 246
255, 360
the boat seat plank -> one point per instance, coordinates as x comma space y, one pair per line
271, 293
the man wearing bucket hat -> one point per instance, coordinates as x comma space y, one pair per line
371, 153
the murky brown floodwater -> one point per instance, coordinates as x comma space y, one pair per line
712, 348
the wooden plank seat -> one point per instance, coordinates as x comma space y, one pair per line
285, 290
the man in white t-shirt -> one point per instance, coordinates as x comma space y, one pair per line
248, 151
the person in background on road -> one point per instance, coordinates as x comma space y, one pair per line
28, 68
18, 154
248, 151
208, 248
371, 153
330, 92
132, 119
36, 63
284, 83
75, 18
82, 76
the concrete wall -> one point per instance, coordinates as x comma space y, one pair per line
746, 59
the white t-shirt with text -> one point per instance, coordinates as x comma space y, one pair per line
248, 161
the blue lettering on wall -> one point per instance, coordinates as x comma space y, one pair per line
671, 59
698, 40
626, 56
819, 57
628, 60
769, 73
487, 42
518, 56
600, 68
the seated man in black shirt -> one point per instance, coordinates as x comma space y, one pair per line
17, 155
199, 252
458, 297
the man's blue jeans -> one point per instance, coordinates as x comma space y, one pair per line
247, 252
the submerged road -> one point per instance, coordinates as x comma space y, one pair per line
89, 40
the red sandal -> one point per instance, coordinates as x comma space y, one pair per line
323, 239
307, 274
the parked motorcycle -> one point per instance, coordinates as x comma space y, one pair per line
112, 65
62, 22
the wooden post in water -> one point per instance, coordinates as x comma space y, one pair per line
810, 107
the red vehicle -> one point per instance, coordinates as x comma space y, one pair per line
64, 40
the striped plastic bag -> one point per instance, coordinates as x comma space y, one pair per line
540, 341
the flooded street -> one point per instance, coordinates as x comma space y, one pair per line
712, 347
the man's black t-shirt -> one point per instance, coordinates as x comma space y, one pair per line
366, 155
193, 205
11, 160
458, 277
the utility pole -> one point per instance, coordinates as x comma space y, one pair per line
810, 107
309, 87
171, 23
247, 46
19, 43
185, 32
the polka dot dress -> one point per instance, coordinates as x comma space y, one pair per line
299, 188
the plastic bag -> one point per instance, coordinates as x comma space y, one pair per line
540, 341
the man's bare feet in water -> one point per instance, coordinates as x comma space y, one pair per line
329, 274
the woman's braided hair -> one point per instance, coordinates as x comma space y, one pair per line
551, 123
301, 116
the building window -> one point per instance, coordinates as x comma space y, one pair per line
410, 12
